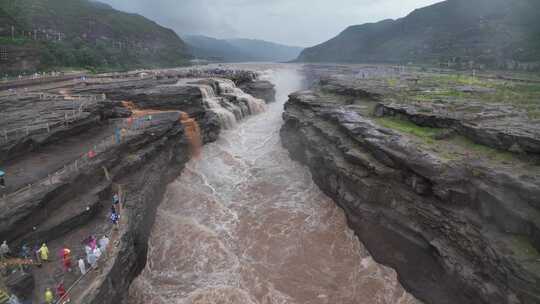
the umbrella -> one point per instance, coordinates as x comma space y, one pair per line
2, 173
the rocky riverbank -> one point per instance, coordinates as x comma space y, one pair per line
83, 143
454, 213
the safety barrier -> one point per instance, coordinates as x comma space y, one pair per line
128, 127
112, 241
34, 81
7, 135
38, 76
48, 96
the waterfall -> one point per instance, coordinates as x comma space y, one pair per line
231, 104
254, 105
226, 118
193, 134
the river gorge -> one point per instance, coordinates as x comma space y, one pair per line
246, 224
276, 183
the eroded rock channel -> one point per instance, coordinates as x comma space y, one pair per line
246, 224
368, 171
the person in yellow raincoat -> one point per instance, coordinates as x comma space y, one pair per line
49, 297
44, 253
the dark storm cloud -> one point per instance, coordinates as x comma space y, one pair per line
294, 22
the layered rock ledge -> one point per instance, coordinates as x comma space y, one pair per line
77, 145
459, 226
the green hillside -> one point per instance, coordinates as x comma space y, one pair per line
82, 33
491, 33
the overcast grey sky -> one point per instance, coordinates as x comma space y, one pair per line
293, 22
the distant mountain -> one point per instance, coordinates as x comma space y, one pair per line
495, 33
236, 50
266, 51
83, 33
214, 49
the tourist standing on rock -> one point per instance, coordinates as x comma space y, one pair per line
117, 135
87, 249
25, 252
92, 260
37, 254
49, 296
44, 253
82, 266
116, 200
66, 259
2, 179
97, 253
93, 242
4, 251
116, 204
104, 243
61, 293
114, 217
13, 300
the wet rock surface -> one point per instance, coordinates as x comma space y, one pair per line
135, 148
32, 119
262, 89
159, 95
456, 229
499, 126
21, 283
246, 224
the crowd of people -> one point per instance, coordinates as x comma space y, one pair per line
2, 179
93, 249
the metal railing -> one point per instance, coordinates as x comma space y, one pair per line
128, 128
113, 241
7, 135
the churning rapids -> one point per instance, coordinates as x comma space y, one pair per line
246, 224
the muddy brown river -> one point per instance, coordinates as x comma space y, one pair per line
246, 224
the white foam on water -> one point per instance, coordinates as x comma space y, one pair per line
229, 112
227, 118
255, 105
